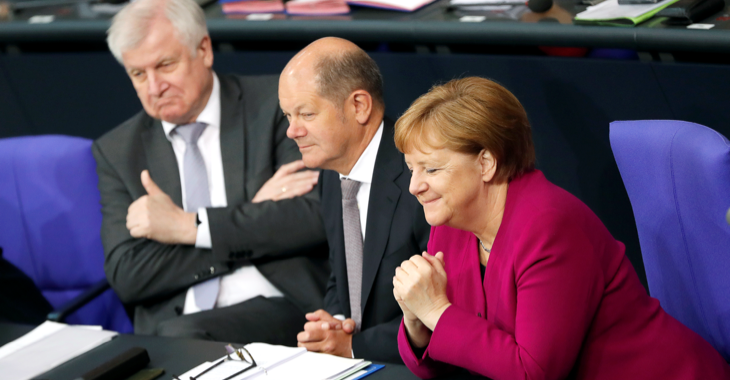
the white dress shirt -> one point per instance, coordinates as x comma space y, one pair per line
246, 282
363, 172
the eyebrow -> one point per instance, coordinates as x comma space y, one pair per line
156, 64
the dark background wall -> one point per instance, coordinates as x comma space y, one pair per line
570, 103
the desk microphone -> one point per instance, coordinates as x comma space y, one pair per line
120, 367
539, 6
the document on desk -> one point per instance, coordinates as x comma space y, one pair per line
610, 12
46, 347
280, 363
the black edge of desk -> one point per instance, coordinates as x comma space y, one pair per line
414, 32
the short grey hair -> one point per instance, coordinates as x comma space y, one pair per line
132, 24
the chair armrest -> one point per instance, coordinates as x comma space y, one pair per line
60, 314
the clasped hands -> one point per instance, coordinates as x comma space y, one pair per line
327, 334
419, 287
155, 216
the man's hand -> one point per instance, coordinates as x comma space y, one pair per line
421, 284
287, 182
154, 216
326, 334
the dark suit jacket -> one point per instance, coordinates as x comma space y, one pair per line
396, 229
283, 239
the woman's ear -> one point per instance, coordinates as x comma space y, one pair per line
488, 164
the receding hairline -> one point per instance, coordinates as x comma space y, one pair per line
313, 58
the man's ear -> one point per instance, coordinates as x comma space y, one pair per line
489, 165
205, 49
362, 103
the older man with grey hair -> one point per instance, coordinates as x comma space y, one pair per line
210, 227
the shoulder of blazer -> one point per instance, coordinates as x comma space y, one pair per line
255, 91
127, 131
390, 162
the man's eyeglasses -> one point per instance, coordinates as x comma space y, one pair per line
242, 353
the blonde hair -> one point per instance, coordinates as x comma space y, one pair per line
470, 115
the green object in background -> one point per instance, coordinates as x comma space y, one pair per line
147, 374
610, 13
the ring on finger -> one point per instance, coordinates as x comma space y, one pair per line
283, 189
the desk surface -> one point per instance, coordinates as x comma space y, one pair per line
433, 24
176, 356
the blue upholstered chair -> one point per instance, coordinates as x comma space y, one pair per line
677, 175
50, 220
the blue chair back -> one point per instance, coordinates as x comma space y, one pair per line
677, 175
51, 221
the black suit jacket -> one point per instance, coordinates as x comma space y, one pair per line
283, 239
396, 229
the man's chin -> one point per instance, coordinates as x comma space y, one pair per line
311, 162
174, 118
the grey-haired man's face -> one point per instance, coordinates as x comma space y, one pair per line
172, 85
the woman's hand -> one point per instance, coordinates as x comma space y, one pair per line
421, 284
418, 334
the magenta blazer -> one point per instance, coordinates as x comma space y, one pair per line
559, 300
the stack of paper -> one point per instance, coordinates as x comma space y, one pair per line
252, 6
281, 363
317, 7
611, 13
46, 347
396, 5
469, 4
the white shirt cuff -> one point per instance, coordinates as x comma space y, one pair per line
203, 240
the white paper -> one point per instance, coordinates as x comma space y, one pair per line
46, 347
280, 363
611, 10
472, 18
38, 333
260, 16
700, 26
468, 4
408, 5
312, 366
41, 19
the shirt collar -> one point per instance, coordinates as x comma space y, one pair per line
211, 114
363, 170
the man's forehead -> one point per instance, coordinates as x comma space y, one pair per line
160, 43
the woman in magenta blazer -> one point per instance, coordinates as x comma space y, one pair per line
526, 282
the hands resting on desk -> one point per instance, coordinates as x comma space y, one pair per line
327, 334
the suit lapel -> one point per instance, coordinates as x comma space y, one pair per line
384, 196
232, 139
161, 161
332, 205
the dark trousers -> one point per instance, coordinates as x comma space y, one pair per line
269, 320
